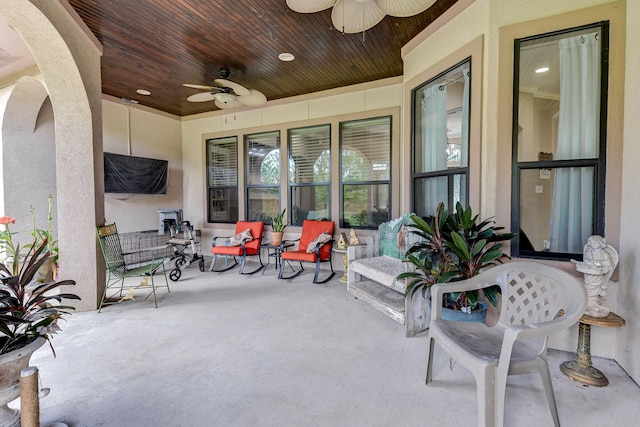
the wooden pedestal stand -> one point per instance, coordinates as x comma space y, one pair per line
581, 369
345, 263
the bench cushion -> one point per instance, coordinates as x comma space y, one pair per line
383, 269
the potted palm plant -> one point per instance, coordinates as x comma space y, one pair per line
29, 313
454, 247
278, 225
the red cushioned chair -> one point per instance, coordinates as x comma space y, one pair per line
311, 229
247, 247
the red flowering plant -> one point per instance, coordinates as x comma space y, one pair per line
8, 249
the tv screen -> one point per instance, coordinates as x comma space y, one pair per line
134, 175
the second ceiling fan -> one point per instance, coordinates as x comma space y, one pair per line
226, 93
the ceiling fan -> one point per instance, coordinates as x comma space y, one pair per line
226, 93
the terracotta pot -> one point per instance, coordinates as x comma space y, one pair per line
10, 366
276, 237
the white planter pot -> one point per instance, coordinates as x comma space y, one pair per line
10, 366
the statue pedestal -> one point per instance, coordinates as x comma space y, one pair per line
581, 369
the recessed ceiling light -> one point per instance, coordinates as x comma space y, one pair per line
542, 70
286, 57
143, 92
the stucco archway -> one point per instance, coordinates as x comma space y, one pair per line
69, 60
28, 154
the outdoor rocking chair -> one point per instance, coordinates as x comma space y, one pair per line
314, 246
245, 242
537, 300
119, 269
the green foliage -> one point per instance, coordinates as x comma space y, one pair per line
40, 235
26, 309
270, 168
278, 223
454, 247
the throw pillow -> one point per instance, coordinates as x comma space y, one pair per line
318, 241
238, 238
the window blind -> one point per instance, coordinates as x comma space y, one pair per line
222, 161
310, 155
366, 149
263, 158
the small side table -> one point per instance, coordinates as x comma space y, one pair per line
345, 261
581, 369
277, 252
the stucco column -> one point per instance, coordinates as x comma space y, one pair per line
69, 60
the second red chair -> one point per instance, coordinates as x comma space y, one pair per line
314, 246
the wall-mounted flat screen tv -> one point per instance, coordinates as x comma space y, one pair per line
134, 175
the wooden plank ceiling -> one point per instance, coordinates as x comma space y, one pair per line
158, 45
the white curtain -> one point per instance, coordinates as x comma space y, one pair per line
464, 141
572, 211
434, 137
464, 138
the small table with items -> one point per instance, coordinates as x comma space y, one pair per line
345, 259
581, 369
274, 251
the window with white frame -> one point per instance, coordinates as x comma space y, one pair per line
309, 173
222, 179
559, 141
441, 109
262, 176
365, 172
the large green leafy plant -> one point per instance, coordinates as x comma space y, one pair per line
454, 247
30, 309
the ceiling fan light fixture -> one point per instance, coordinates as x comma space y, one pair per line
225, 98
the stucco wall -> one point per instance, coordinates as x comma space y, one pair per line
154, 136
490, 18
276, 115
628, 338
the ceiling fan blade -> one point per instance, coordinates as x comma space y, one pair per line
201, 87
254, 99
202, 97
237, 88
310, 6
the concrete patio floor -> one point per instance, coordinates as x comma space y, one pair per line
230, 350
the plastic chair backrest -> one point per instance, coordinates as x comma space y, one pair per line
312, 229
111, 248
534, 293
257, 228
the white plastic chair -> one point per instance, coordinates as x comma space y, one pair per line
532, 296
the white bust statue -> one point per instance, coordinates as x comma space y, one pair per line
597, 266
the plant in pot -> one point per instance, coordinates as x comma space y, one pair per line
454, 247
278, 225
29, 313
50, 268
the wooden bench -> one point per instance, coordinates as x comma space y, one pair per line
373, 279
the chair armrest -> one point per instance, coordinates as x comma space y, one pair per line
284, 242
143, 250
213, 242
317, 249
438, 291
